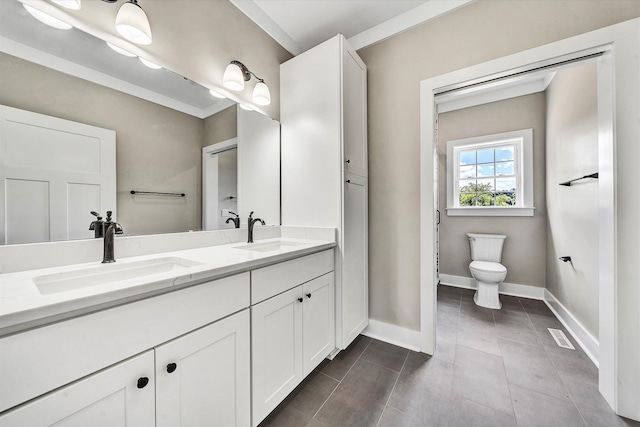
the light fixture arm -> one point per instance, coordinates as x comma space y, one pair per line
246, 73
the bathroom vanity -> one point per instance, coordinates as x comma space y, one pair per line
213, 333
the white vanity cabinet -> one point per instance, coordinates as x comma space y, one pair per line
324, 168
292, 326
112, 367
119, 396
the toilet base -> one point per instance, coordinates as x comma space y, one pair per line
487, 295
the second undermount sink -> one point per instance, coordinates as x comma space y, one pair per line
269, 246
108, 273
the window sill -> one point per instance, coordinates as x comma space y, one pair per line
490, 211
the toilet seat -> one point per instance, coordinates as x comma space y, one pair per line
488, 267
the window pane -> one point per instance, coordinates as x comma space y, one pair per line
504, 153
505, 184
468, 158
468, 171
486, 170
467, 199
485, 156
504, 168
467, 186
485, 185
485, 199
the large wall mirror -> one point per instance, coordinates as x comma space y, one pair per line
162, 121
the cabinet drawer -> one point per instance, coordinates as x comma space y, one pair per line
269, 281
39, 360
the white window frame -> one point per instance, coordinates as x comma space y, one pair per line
523, 169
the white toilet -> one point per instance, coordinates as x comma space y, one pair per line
485, 267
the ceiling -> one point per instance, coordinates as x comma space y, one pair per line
299, 25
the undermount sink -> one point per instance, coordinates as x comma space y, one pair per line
107, 273
269, 246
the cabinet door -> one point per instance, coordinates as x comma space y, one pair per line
318, 321
122, 395
354, 286
354, 113
276, 350
203, 378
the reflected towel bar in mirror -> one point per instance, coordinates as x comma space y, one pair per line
155, 193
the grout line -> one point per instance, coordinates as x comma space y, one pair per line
392, 389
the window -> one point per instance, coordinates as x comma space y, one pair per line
491, 175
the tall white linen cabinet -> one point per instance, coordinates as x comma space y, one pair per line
323, 115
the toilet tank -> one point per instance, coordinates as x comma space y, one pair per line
486, 247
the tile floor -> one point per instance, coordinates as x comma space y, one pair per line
491, 368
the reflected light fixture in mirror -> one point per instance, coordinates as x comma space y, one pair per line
216, 94
132, 23
47, 19
69, 4
121, 51
237, 73
246, 107
149, 63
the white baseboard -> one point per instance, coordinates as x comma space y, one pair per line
586, 341
513, 289
392, 334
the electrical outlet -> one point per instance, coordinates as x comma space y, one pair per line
226, 212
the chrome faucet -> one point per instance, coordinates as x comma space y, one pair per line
111, 228
251, 223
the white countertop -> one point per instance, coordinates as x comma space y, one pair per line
22, 305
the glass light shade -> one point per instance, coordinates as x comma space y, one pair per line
132, 23
246, 107
47, 19
261, 94
69, 4
150, 64
216, 94
121, 51
233, 78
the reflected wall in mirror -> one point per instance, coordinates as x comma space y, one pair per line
158, 148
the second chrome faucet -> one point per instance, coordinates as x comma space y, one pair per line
251, 223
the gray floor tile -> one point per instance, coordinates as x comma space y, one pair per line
470, 311
480, 377
486, 340
360, 398
315, 423
532, 306
303, 403
340, 365
516, 326
384, 354
446, 343
511, 304
391, 417
607, 419
533, 409
423, 388
573, 363
528, 366
448, 313
465, 413
450, 291
585, 394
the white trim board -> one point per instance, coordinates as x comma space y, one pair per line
585, 340
513, 289
393, 334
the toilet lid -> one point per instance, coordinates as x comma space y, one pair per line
494, 267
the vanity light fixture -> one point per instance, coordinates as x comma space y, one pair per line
132, 23
149, 63
237, 73
45, 18
121, 51
69, 4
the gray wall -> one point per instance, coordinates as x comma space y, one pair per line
476, 33
221, 126
572, 152
157, 149
524, 250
